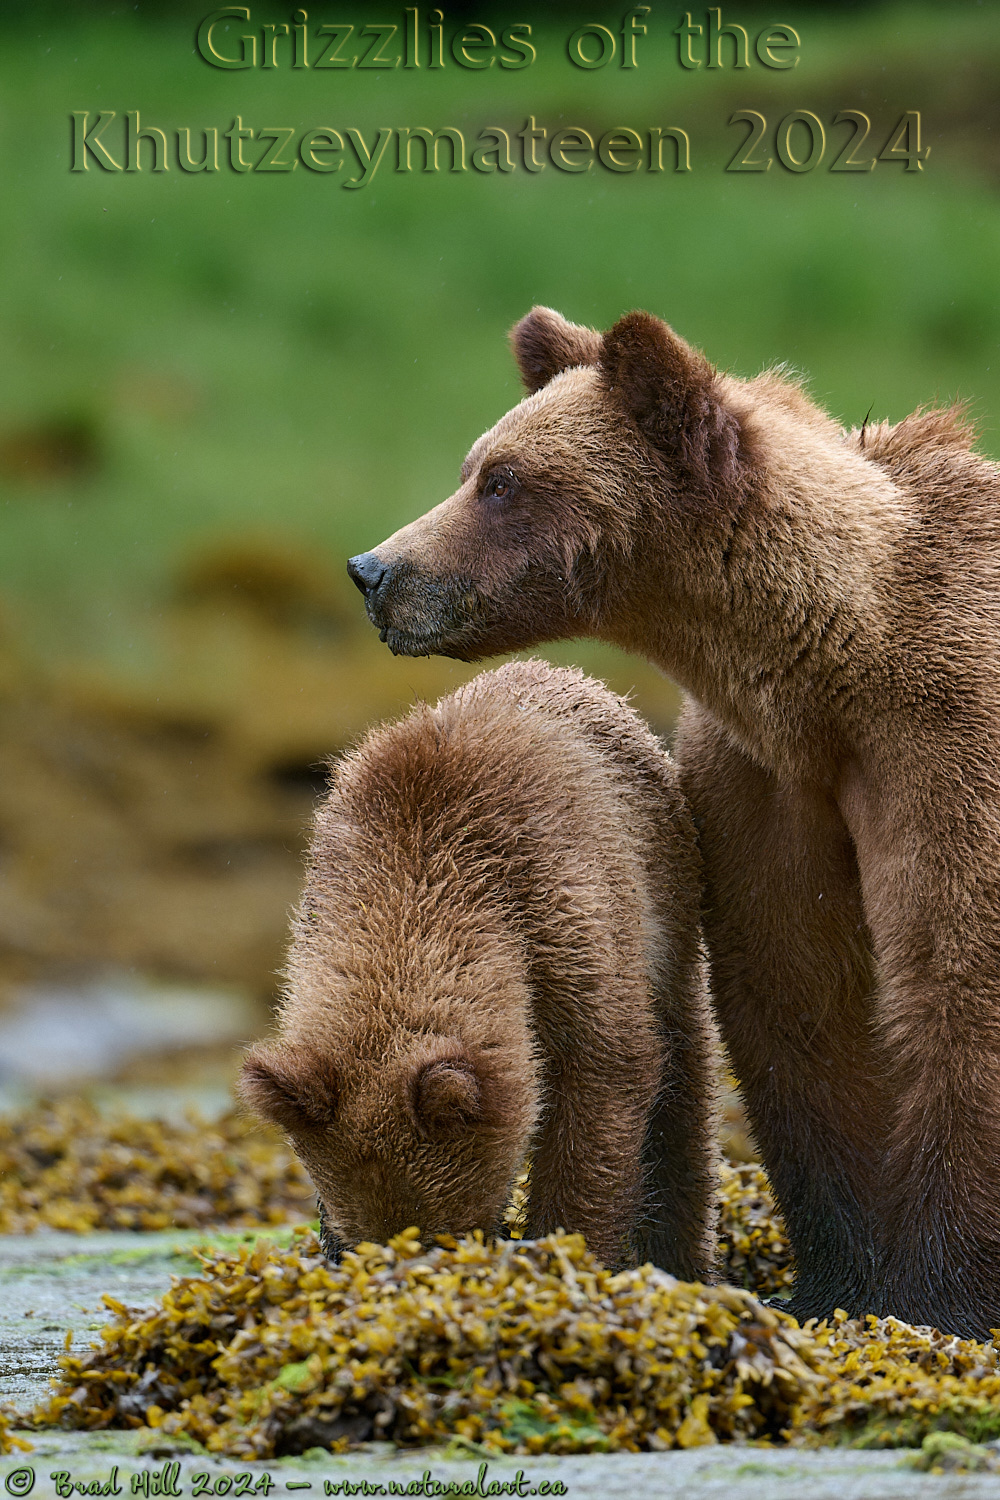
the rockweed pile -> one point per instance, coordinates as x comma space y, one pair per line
518, 1347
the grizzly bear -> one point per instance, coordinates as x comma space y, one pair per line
830, 601
497, 954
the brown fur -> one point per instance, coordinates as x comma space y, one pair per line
831, 603
496, 954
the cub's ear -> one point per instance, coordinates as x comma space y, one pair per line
666, 386
445, 1097
294, 1087
544, 344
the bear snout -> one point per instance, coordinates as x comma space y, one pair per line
367, 570
415, 613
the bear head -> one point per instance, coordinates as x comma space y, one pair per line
425, 1131
567, 487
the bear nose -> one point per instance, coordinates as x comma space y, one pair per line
367, 571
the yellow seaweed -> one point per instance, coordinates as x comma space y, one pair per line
63, 1165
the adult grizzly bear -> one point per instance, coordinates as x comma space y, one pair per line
497, 951
830, 601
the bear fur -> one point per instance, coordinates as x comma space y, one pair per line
497, 953
830, 601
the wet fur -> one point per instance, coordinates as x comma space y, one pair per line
497, 953
830, 601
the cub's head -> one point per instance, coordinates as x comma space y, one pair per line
561, 504
427, 1132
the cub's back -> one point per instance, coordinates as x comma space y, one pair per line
525, 750
645, 776
533, 799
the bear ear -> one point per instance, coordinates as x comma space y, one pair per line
544, 344
667, 386
294, 1087
445, 1097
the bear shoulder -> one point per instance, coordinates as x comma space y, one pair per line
929, 430
929, 455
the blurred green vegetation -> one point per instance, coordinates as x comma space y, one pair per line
200, 356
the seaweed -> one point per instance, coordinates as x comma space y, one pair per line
65, 1166
519, 1346
9, 1443
893, 1386
753, 1246
523, 1346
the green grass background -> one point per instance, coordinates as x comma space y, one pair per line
275, 355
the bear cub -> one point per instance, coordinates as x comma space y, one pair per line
497, 956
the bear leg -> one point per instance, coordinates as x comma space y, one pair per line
678, 1230
927, 833
586, 1159
791, 982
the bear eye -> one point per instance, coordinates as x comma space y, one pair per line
499, 485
